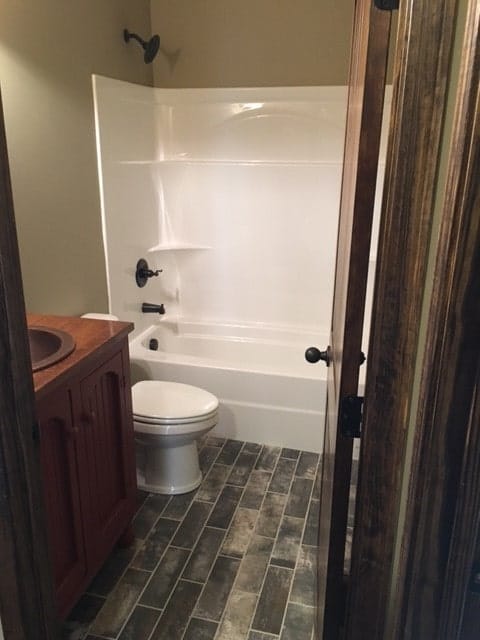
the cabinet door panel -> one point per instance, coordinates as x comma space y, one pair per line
58, 450
109, 445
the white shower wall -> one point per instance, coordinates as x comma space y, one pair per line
234, 193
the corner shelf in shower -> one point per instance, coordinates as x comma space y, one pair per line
177, 246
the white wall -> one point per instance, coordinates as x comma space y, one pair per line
253, 174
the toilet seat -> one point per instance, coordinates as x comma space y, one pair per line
165, 407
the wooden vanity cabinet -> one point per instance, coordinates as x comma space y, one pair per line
88, 464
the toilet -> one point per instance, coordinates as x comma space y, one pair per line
168, 419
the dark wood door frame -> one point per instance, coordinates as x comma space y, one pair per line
421, 71
443, 513
26, 594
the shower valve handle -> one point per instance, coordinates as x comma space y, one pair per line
148, 273
312, 355
143, 272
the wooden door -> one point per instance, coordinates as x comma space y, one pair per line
109, 447
368, 69
58, 452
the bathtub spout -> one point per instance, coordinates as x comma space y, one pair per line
148, 307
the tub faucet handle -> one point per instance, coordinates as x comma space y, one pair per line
149, 307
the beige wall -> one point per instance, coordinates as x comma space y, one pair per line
253, 42
48, 51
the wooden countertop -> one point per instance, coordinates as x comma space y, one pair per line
89, 335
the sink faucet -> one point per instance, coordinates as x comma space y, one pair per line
148, 307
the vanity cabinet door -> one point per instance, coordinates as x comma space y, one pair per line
107, 427
59, 443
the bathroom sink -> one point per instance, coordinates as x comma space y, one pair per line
48, 346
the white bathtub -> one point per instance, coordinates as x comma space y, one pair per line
268, 392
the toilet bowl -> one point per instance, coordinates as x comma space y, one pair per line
168, 418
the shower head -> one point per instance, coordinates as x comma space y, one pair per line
151, 47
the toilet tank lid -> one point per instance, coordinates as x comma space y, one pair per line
100, 316
169, 400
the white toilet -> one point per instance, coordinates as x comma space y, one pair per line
168, 418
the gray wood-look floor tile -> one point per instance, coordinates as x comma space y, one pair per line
304, 581
140, 624
178, 506
271, 514
287, 545
213, 483
204, 555
225, 506
238, 615
230, 451
83, 614
267, 459
307, 465
113, 569
217, 589
218, 563
272, 601
318, 481
119, 604
254, 564
299, 621
148, 514
255, 489
293, 454
252, 447
188, 532
310, 535
154, 546
240, 532
207, 457
242, 468
141, 497
215, 441
200, 630
175, 618
282, 476
299, 497
164, 579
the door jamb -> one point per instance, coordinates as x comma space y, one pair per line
424, 41
26, 591
443, 510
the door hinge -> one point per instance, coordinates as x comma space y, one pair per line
386, 5
351, 416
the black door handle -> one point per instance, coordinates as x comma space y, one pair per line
312, 355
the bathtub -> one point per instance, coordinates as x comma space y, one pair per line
268, 393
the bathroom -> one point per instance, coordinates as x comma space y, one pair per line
61, 245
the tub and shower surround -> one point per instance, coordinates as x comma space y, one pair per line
234, 193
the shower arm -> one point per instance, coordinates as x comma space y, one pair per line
128, 35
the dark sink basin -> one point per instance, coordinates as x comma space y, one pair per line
48, 346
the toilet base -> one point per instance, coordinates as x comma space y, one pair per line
168, 470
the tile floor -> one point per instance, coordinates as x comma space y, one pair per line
233, 560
